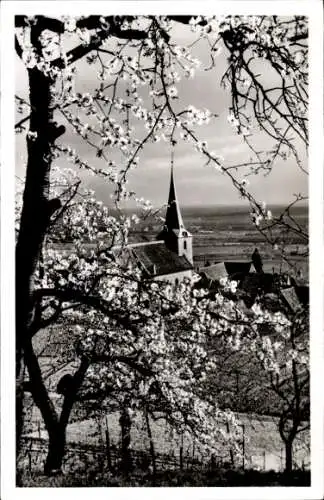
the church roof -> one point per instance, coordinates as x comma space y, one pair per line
173, 219
155, 259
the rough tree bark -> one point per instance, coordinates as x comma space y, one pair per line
125, 424
57, 436
33, 224
288, 427
152, 449
35, 216
288, 455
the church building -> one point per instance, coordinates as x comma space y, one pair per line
170, 257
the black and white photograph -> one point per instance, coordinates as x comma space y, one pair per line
165, 320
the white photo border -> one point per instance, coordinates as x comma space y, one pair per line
314, 11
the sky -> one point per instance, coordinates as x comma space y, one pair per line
196, 184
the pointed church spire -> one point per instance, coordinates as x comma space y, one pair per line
173, 218
175, 236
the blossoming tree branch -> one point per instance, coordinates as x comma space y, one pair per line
149, 340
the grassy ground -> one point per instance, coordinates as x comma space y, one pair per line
221, 478
263, 448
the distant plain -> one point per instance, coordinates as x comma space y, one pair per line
227, 233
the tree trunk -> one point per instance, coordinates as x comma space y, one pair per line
41, 397
56, 451
125, 423
181, 452
19, 402
288, 456
34, 221
57, 429
231, 448
152, 450
108, 454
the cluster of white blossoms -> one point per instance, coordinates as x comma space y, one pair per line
228, 285
237, 125
196, 116
261, 213
257, 29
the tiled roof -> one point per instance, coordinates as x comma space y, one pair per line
155, 259
291, 298
214, 272
226, 269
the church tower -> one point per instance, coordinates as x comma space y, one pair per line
174, 234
